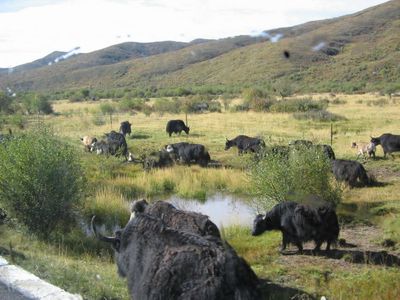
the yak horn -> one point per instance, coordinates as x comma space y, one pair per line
101, 237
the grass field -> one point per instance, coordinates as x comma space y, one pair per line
113, 183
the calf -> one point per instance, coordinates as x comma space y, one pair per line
300, 223
87, 142
364, 148
350, 171
176, 126
245, 143
390, 143
161, 262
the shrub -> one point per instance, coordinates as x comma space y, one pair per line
319, 116
38, 104
40, 181
301, 175
297, 105
164, 105
257, 99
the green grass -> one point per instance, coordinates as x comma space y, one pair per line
73, 261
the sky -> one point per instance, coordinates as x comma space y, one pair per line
32, 29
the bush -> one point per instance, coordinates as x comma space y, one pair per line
297, 105
257, 99
319, 116
301, 175
40, 181
164, 105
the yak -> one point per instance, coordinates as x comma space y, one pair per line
158, 159
245, 143
390, 143
300, 223
160, 262
188, 153
175, 218
176, 126
125, 128
350, 171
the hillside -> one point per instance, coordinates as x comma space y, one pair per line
358, 52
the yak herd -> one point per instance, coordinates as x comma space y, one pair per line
167, 253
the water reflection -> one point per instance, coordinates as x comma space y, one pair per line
223, 210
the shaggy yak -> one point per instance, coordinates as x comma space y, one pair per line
161, 262
175, 218
300, 223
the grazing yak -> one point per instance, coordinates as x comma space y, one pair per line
158, 159
245, 143
350, 171
115, 144
390, 143
160, 262
300, 223
125, 128
364, 148
87, 142
300, 143
188, 153
326, 150
175, 218
176, 126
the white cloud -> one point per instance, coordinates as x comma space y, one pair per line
35, 31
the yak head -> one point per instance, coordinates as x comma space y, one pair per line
375, 141
186, 129
228, 144
258, 225
114, 241
138, 206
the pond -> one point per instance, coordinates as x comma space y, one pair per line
223, 209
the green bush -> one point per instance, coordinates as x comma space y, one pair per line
297, 105
300, 175
164, 105
40, 181
318, 116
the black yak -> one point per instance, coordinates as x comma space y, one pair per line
175, 218
245, 143
176, 126
300, 223
125, 128
389, 142
188, 153
350, 171
165, 263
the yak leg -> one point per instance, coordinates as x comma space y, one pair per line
299, 246
284, 242
318, 246
328, 245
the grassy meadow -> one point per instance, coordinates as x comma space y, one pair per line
87, 267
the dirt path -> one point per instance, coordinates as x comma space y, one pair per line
361, 247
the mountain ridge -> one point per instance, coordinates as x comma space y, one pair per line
360, 49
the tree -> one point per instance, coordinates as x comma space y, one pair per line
41, 181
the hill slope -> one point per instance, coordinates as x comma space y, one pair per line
352, 53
